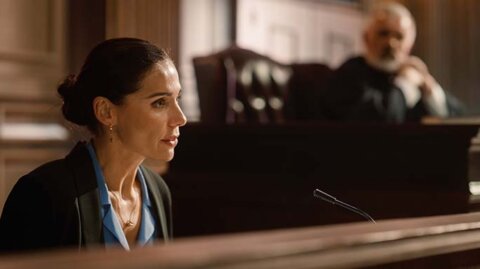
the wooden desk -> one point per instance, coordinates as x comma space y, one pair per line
242, 178
435, 242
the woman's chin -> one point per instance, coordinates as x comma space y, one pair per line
164, 156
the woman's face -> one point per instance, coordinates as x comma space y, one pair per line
148, 120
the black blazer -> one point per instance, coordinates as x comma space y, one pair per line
57, 205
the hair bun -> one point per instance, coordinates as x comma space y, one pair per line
73, 107
66, 87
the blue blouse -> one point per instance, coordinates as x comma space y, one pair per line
113, 234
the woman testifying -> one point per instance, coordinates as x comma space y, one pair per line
127, 96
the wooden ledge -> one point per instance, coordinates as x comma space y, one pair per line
339, 246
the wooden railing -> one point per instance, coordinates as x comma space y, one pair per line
451, 241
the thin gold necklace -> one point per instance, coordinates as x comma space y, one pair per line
129, 222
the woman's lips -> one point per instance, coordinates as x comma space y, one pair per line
171, 141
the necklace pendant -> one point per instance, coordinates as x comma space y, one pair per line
129, 223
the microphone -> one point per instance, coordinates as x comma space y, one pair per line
330, 199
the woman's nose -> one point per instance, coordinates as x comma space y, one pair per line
178, 117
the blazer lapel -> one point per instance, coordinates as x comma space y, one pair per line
88, 200
91, 225
157, 201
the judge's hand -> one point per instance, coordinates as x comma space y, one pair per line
416, 71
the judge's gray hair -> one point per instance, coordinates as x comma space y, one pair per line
389, 9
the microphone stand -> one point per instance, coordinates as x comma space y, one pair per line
330, 199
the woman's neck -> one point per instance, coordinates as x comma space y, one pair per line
119, 166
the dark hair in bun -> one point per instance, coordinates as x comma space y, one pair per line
113, 69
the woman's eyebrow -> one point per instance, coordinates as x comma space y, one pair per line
159, 94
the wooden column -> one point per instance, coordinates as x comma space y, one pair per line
86, 28
153, 20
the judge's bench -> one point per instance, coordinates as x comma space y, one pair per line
236, 178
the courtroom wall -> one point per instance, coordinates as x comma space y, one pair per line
32, 62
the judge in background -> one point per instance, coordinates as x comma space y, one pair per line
387, 84
100, 194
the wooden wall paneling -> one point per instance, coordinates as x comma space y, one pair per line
32, 50
473, 94
32, 62
153, 20
32, 31
83, 34
300, 31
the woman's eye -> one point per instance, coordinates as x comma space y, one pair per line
159, 103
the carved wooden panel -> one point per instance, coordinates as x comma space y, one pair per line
32, 63
300, 31
32, 45
153, 20
31, 30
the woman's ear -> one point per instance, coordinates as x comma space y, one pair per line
104, 111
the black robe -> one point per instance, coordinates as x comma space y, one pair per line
358, 92
57, 205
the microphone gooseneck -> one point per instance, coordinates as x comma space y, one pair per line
332, 200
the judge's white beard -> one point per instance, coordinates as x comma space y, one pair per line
386, 65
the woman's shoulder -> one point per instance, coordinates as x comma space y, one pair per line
50, 168
58, 175
59, 169
51, 175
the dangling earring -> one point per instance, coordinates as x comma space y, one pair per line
110, 128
